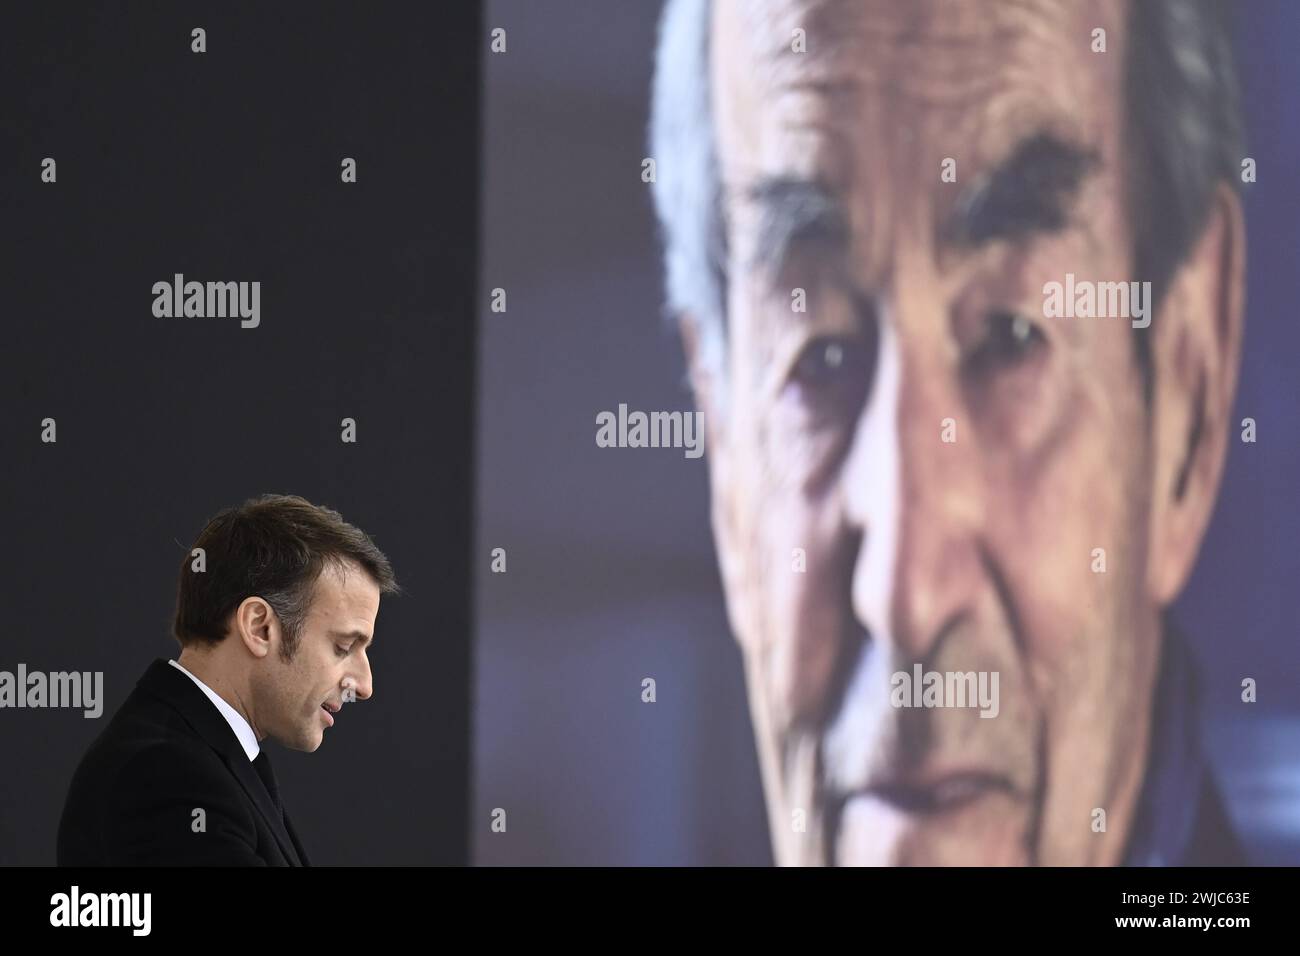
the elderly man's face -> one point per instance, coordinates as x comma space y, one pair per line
924, 320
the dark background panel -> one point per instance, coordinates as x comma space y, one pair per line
225, 166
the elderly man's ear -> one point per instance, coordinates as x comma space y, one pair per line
1196, 356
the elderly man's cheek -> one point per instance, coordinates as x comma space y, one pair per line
806, 615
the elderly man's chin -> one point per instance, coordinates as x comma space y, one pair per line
988, 830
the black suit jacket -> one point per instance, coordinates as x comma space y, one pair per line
167, 752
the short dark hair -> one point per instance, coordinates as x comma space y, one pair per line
273, 547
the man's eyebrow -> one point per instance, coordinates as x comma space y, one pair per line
794, 213
1029, 192
353, 635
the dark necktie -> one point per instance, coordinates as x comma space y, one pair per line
262, 764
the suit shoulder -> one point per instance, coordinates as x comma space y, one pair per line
146, 740
169, 765
175, 804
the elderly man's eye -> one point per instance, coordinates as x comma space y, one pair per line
833, 373
1009, 339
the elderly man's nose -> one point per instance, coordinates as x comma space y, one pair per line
936, 559
918, 508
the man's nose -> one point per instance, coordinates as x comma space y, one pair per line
916, 492
361, 679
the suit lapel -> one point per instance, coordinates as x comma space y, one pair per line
302, 854
242, 768
175, 689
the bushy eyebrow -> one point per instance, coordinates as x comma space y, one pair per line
1030, 192
796, 213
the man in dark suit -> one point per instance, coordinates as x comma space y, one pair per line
276, 607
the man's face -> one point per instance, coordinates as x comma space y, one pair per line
924, 304
291, 697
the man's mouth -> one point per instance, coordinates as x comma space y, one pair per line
330, 711
934, 794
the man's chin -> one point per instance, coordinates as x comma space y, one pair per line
987, 831
305, 744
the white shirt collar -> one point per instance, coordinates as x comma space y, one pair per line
247, 739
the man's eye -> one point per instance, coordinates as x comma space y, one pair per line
834, 372
341, 651
1010, 338
821, 361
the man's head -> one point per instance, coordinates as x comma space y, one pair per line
910, 463
277, 612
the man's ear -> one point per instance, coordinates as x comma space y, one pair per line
254, 624
1196, 356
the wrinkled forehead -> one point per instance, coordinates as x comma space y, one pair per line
922, 78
